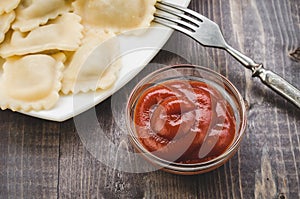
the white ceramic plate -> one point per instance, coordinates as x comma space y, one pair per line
137, 52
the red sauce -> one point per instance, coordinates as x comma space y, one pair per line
184, 121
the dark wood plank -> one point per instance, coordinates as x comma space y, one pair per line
29, 157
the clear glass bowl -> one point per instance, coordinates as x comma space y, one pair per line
195, 73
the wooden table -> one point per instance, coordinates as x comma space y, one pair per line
44, 159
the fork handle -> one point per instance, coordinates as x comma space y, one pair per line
268, 77
243, 59
278, 84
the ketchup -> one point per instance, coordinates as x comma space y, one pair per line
184, 121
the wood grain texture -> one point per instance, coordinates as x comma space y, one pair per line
29, 157
42, 159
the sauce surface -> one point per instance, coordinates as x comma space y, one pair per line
184, 121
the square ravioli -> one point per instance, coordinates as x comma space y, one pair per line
31, 82
33, 13
63, 33
97, 58
117, 15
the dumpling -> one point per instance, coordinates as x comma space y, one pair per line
31, 82
6, 6
6, 19
117, 15
94, 61
33, 13
63, 33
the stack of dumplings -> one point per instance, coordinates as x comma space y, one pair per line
50, 48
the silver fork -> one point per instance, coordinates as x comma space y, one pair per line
208, 33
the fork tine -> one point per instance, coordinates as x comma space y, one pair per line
174, 26
172, 10
174, 21
205, 31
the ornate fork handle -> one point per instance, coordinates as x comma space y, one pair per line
278, 84
268, 77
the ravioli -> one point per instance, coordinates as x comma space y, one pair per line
63, 33
6, 6
6, 19
117, 15
82, 33
31, 82
95, 59
33, 13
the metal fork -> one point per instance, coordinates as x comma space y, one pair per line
208, 33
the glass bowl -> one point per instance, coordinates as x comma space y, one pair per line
203, 132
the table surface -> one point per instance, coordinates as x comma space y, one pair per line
44, 159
